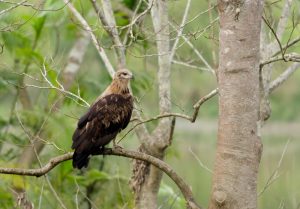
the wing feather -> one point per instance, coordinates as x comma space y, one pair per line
103, 121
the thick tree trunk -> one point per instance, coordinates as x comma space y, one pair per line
239, 147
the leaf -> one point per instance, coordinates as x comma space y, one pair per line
130, 3
38, 24
142, 83
15, 40
173, 198
6, 79
91, 177
94, 175
122, 19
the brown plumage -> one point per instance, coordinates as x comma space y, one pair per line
109, 114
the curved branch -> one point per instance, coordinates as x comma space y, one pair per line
184, 188
38, 171
192, 118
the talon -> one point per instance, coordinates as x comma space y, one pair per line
116, 146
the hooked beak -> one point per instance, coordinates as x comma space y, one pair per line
132, 77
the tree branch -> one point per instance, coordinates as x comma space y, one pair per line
195, 50
107, 18
86, 27
38, 171
192, 118
12, 7
286, 10
180, 30
184, 188
292, 57
284, 76
272, 47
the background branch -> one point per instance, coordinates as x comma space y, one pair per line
86, 27
284, 76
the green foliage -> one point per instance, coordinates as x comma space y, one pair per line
38, 24
6, 197
91, 177
170, 198
142, 83
122, 19
7, 77
16, 42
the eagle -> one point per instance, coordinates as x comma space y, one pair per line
109, 114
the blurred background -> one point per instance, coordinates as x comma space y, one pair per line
38, 36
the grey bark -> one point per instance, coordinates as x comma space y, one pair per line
146, 178
239, 147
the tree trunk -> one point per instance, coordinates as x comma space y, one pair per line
146, 178
239, 147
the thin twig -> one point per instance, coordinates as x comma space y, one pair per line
12, 7
139, 16
195, 51
180, 30
288, 45
274, 174
199, 161
192, 118
275, 35
191, 66
292, 57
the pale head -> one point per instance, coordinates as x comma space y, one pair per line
123, 75
120, 82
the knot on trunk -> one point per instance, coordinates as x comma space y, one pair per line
220, 197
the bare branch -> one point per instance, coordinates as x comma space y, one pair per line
86, 27
275, 35
38, 171
190, 65
132, 16
284, 18
292, 57
199, 161
184, 188
180, 30
201, 101
192, 118
139, 16
60, 87
275, 174
12, 7
196, 51
284, 76
288, 45
37, 8
108, 20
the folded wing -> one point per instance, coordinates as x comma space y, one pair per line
101, 124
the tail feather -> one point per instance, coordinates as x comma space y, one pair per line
80, 160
